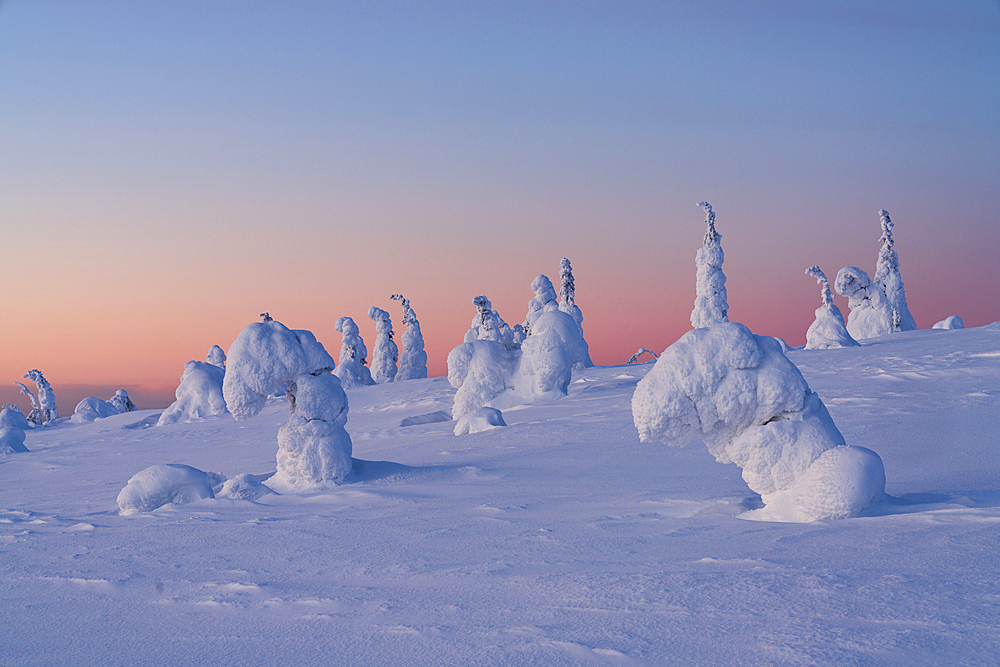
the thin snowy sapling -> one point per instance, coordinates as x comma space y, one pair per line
353, 356
412, 358
35, 415
888, 279
46, 398
314, 449
385, 354
710, 306
827, 330
752, 407
567, 292
870, 315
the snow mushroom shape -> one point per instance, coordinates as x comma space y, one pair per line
161, 485
353, 356
871, 315
314, 449
752, 407
199, 394
216, 356
543, 301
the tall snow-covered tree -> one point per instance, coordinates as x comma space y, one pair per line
887, 278
385, 354
828, 329
710, 305
35, 416
46, 397
568, 305
412, 358
353, 356
488, 325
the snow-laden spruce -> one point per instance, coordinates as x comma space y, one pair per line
752, 407
385, 354
199, 395
160, 485
216, 356
12, 427
567, 293
488, 325
46, 404
952, 322
314, 449
543, 301
121, 402
827, 330
412, 357
710, 306
870, 315
889, 281
353, 356
480, 370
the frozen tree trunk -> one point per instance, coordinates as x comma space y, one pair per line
385, 354
353, 356
888, 279
827, 330
46, 398
710, 306
412, 358
568, 305
314, 449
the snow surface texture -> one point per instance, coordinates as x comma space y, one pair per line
953, 322
199, 394
160, 485
412, 358
216, 356
559, 540
871, 315
314, 449
889, 281
567, 291
12, 426
46, 397
477, 421
385, 354
710, 306
828, 329
752, 407
353, 356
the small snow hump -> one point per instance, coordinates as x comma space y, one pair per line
160, 485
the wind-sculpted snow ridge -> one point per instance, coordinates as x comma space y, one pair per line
710, 306
752, 407
199, 394
827, 330
160, 485
412, 358
12, 426
314, 449
871, 315
385, 354
353, 356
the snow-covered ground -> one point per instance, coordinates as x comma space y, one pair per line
557, 540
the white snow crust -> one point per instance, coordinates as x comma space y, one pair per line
92, 408
199, 395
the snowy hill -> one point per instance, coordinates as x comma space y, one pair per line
558, 540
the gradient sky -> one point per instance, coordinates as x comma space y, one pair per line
168, 170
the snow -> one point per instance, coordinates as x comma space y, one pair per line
216, 356
740, 394
12, 426
92, 408
889, 280
543, 301
385, 354
480, 370
160, 485
121, 402
952, 322
199, 395
412, 358
477, 421
353, 356
871, 314
557, 540
828, 329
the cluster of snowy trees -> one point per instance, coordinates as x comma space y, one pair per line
388, 364
751, 406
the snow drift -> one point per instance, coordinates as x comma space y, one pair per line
12, 426
752, 407
161, 485
199, 394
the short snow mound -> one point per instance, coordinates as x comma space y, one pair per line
92, 408
12, 425
752, 407
199, 394
479, 420
161, 485
953, 322
243, 487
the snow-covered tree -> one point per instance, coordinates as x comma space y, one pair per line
488, 325
353, 356
752, 407
12, 426
635, 357
385, 354
548, 356
871, 315
412, 358
568, 305
35, 415
216, 356
710, 306
481, 370
888, 280
199, 394
828, 329
314, 449
121, 402
543, 301
46, 398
